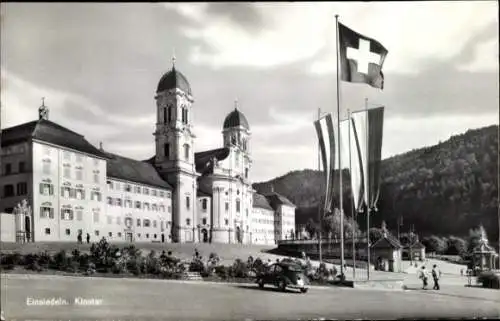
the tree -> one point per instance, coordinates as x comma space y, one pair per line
375, 234
435, 244
456, 246
312, 228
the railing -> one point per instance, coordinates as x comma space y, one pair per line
323, 241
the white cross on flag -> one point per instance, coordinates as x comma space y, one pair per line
361, 58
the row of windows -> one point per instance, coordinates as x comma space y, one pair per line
137, 204
137, 189
266, 231
96, 233
263, 221
67, 156
9, 191
69, 192
47, 170
21, 168
166, 151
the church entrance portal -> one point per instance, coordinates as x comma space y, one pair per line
128, 237
205, 235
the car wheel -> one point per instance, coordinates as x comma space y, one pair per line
261, 283
282, 286
303, 290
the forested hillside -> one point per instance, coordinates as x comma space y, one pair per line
444, 189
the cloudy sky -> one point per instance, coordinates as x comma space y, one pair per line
98, 66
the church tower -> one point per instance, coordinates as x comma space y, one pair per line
174, 158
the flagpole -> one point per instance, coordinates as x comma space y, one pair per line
352, 197
319, 206
339, 157
367, 191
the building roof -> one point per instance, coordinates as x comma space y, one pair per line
276, 199
174, 79
235, 119
134, 171
260, 201
387, 241
50, 132
203, 160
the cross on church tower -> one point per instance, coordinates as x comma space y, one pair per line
236, 103
173, 58
363, 56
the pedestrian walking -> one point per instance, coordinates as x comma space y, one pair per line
436, 274
424, 277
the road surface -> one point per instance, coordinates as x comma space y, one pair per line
126, 299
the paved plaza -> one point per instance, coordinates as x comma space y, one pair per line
105, 298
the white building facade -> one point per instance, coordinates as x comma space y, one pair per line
177, 195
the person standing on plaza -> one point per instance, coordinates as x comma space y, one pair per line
436, 274
424, 277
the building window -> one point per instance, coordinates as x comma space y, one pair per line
66, 214
162, 194
226, 221
8, 190
96, 177
67, 172
8, 169
186, 152
46, 212
110, 219
47, 231
138, 222
22, 188
155, 236
246, 172
147, 235
188, 221
204, 204
67, 156
119, 234
153, 192
46, 167
79, 215
169, 209
137, 189
110, 201
128, 203
146, 206
96, 232
227, 207
110, 184
68, 232
154, 207
118, 202
96, 217
165, 114
146, 191
238, 206
166, 150
66, 192
80, 194
118, 220
79, 174
128, 188
137, 204
46, 189
187, 202
22, 167
95, 196
147, 223
154, 224
110, 234
204, 221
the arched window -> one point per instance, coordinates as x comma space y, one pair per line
238, 206
166, 150
165, 115
204, 204
186, 152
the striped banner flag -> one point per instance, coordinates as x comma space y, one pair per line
324, 130
367, 134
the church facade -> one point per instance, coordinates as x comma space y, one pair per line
178, 195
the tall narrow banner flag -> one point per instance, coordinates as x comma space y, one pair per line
361, 58
324, 130
368, 139
356, 166
342, 149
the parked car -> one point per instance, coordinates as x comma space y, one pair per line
284, 275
